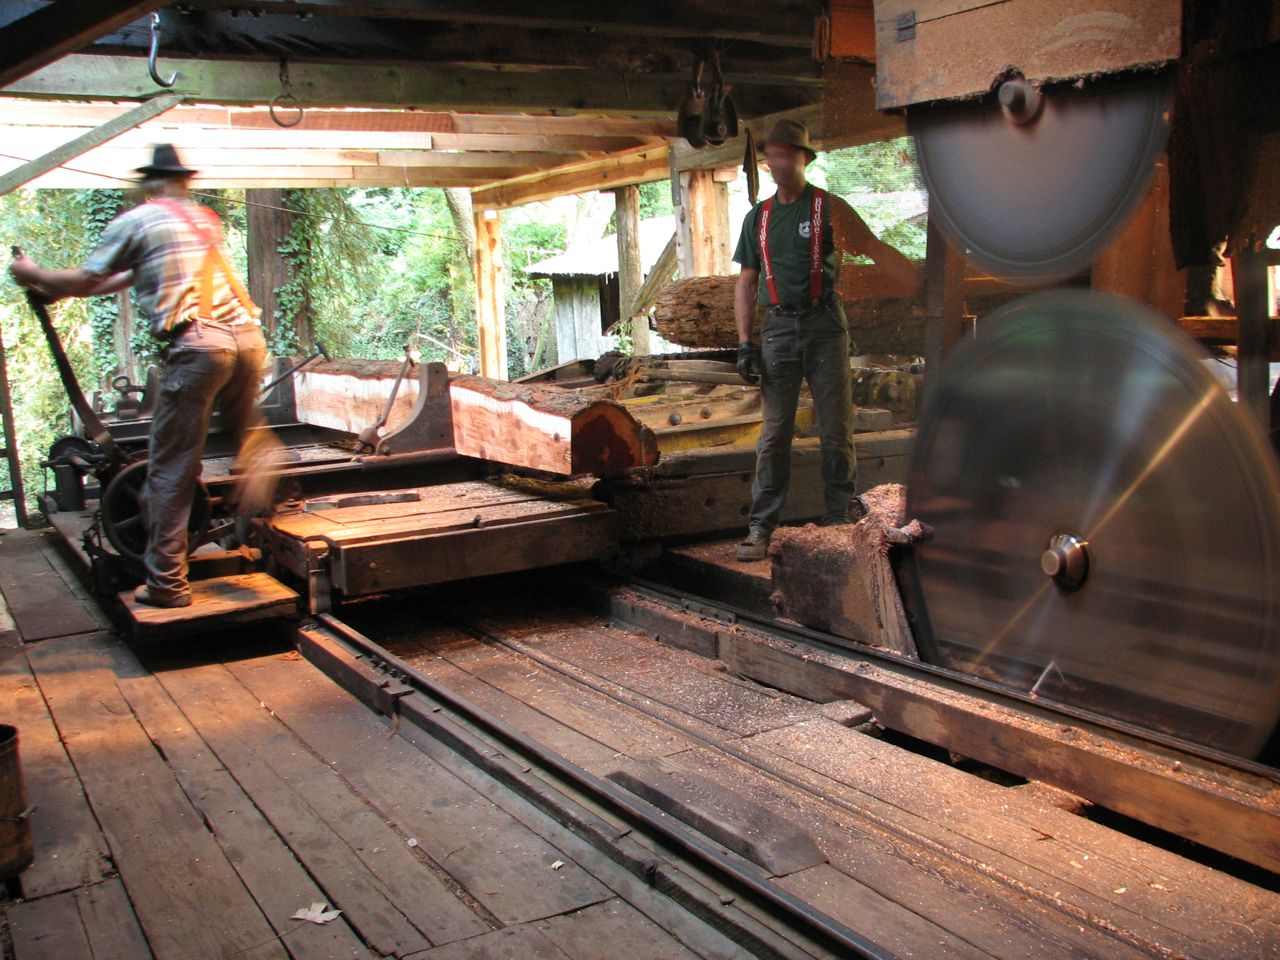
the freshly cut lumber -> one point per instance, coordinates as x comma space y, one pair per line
351, 394
839, 579
546, 428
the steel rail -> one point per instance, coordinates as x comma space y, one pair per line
919, 669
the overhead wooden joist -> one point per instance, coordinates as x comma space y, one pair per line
45, 34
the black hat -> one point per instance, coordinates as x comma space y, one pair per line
166, 163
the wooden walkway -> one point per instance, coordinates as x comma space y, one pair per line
191, 802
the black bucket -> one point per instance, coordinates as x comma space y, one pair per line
17, 849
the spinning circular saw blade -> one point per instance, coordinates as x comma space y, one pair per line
1103, 523
1032, 186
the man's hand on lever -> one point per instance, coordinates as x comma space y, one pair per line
899, 278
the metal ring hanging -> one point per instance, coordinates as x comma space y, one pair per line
155, 49
285, 98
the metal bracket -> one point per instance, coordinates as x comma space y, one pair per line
906, 26
430, 425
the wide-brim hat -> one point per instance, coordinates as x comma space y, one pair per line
165, 162
794, 134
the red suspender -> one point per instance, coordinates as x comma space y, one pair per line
765, 260
215, 261
817, 204
815, 244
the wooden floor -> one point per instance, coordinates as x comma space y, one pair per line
194, 796
190, 802
922, 857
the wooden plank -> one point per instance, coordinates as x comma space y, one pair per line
110, 922
498, 861
489, 271
47, 928
380, 564
524, 941
958, 48
87, 141
70, 849
615, 922
233, 599
43, 35
39, 600
643, 165
179, 877
281, 880
1030, 844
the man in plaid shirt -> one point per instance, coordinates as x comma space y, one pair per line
169, 250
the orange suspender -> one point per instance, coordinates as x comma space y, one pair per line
215, 260
816, 205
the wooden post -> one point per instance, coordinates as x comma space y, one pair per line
943, 299
1139, 262
630, 264
491, 317
1253, 346
268, 224
702, 225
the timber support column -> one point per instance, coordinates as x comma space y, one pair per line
943, 300
702, 224
268, 225
491, 317
630, 265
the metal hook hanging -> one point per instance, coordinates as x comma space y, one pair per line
285, 98
155, 49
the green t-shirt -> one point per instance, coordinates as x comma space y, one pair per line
788, 249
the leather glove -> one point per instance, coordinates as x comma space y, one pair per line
749, 362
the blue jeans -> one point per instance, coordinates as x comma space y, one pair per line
810, 345
222, 368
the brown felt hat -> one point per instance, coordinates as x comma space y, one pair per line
793, 133
166, 163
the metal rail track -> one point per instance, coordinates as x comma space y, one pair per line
1084, 720
393, 678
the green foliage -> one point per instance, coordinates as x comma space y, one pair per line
882, 182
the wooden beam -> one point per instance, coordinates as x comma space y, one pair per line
86, 142
92, 77
46, 113
1253, 344
787, 24
490, 308
660, 274
41, 37
943, 292
284, 176
630, 265
702, 225
958, 50
641, 166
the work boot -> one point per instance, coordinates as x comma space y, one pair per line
157, 598
755, 547
854, 512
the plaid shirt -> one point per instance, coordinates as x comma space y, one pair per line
166, 256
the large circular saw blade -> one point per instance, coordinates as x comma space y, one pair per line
1103, 523
1036, 201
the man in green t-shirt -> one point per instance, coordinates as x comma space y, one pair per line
804, 335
